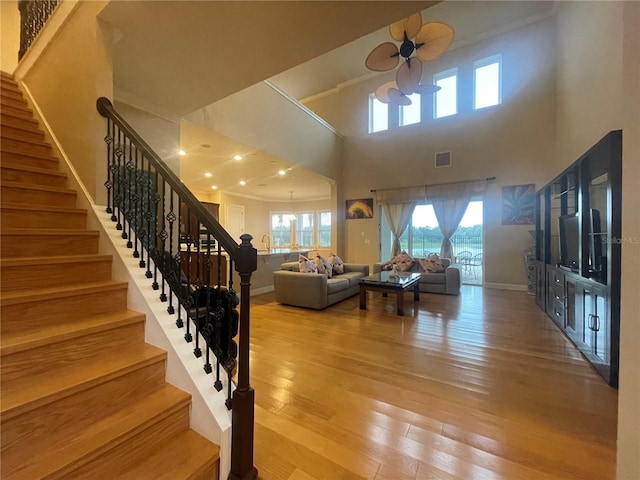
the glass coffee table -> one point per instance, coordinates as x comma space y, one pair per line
386, 283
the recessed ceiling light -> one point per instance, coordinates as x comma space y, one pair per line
282, 172
214, 187
205, 145
182, 153
237, 157
207, 174
242, 182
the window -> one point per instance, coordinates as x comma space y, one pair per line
487, 83
378, 115
446, 99
324, 229
280, 229
410, 114
304, 229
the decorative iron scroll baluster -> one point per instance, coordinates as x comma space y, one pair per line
33, 16
146, 194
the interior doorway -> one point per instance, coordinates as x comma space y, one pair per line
235, 221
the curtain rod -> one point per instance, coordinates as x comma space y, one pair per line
488, 179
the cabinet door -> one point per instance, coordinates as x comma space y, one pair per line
597, 329
572, 324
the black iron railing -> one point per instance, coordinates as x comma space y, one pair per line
185, 252
33, 15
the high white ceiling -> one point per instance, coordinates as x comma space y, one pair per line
306, 48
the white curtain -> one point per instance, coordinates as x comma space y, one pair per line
449, 213
398, 217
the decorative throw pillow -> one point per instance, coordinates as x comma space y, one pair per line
404, 261
324, 266
306, 265
337, 264
431, 264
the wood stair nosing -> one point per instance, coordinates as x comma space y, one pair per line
35, 431
38, 391
12, 98
23, 310
26, 146
13, 119
29, 133
17, 109
31, 169
16, 192
51, 333
111, 439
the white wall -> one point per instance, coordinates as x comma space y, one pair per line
9, 35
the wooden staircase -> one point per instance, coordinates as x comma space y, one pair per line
83, 396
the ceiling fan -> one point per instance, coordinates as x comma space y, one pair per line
431, 40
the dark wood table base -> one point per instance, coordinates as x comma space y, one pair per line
386, 289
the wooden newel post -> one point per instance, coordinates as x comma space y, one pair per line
242, 416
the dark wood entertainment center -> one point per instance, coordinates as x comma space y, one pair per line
578, 235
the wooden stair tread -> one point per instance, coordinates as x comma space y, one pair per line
17, 151
49, 333
182, 457
87, 444
39, 294
41, 389
66, 259
49, 232
27, 168
32, 186
41, 208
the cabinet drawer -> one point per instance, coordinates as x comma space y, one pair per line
558, 311
557, 290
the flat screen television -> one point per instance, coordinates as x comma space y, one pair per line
570, 242
569, 229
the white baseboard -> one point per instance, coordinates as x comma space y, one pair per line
260, 291
506, 286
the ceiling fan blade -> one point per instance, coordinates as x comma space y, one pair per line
409, 75
411, 25
382, 92
383, 58
397, 97
427, 89
433, 39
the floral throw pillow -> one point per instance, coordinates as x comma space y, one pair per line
337, 264
432, 264
324, 266
306, 265
404, 261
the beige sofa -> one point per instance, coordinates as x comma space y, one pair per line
447, 282
314, 290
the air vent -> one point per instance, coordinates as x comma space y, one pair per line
443, 159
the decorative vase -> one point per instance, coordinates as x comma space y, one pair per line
529, 259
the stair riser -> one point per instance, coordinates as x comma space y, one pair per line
31, 135
17, 122
56, 356
35, 178
14, 145
56, 274
21, 109
9, 98
9, 85
30, 432
42, 245
30, 196
17, 218
21, 159
29, 314
129, 453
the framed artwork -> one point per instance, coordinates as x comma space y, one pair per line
518, 204
359, 208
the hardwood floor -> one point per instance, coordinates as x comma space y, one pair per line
481, 386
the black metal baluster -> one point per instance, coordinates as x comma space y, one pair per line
108, 139
139, 216
118, 174
171, 218
128, 201
156, 201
